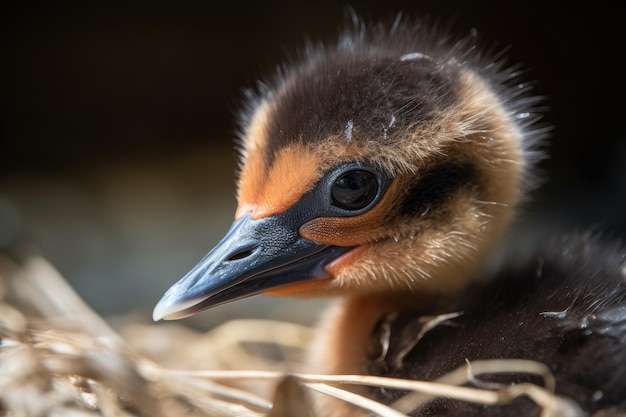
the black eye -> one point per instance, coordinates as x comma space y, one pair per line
354, 190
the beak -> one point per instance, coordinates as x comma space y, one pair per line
254, 256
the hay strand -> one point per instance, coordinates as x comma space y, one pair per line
59, 358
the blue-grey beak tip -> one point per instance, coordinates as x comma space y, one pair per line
173, 305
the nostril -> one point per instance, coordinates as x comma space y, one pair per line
243, 253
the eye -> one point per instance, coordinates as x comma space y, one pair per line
354, 189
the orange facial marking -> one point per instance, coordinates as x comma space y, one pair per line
253, 166
250, 182
345, 260
264, 192
296, 288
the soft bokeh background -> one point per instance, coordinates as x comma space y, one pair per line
116, 158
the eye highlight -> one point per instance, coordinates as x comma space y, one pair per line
354, 190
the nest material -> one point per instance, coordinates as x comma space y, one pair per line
59, 358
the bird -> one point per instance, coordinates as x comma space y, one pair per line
383, 171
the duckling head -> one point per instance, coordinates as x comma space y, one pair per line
390, 163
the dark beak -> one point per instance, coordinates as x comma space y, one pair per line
253, 257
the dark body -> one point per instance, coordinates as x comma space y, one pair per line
565, 308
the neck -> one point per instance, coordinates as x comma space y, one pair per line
342, 345
345, 343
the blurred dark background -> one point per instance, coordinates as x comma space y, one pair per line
116, 159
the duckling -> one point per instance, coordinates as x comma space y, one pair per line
383, 171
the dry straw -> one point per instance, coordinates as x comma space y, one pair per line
59, 358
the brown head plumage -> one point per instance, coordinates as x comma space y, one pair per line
401, 153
